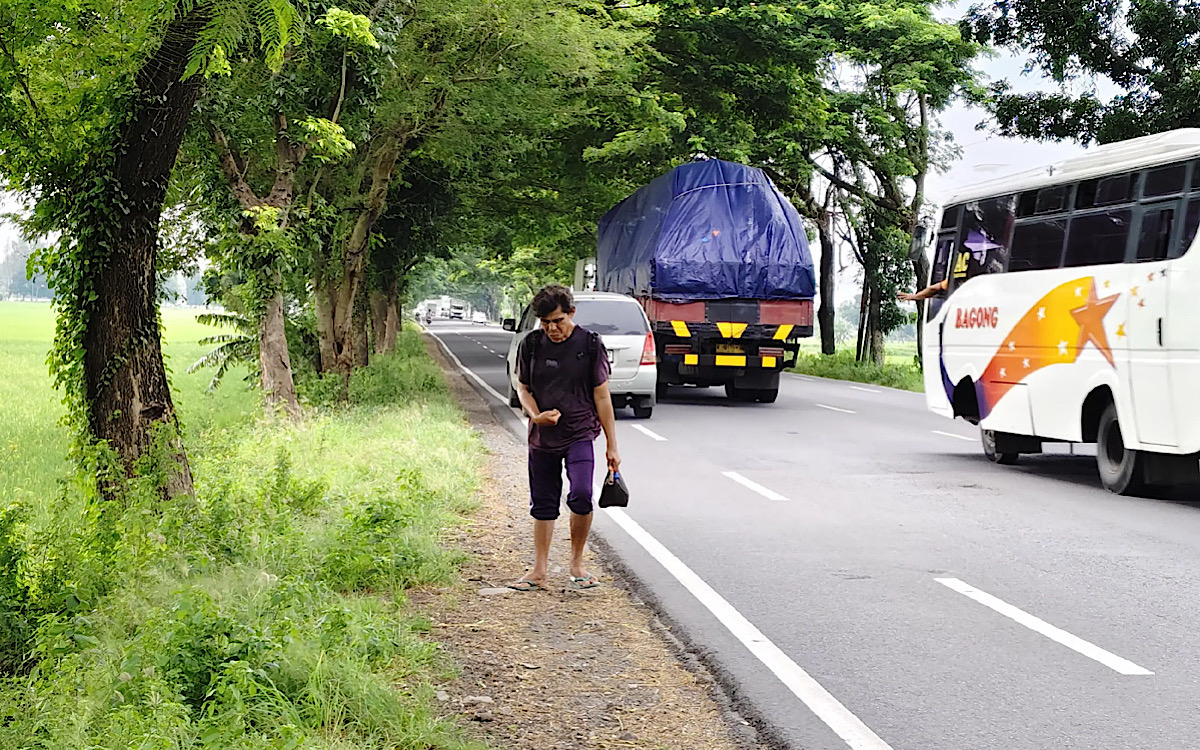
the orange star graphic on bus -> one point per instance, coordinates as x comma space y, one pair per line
1054, 331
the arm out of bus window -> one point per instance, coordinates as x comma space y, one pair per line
925, 293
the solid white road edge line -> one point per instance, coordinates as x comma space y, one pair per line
754, 486
834, 408
1062, 637
864, 390
649, 433
952, 435
465, 369
856, 735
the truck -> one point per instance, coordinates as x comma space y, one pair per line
719, 260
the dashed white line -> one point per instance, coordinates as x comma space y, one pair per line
952, 435
754, 486
835, 408
856, 735
1062, 637
864, 390
649, 433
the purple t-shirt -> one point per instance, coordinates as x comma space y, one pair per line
562, 376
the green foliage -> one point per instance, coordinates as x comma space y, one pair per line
1146, 48
402, 377
241, 618
352, 26
327, 139
843, 366
239, 348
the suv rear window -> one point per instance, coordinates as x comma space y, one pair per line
609, 317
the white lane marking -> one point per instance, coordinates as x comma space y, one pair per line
649, 433
864, 390
466, 370
952, 435
856, 735
754, 486
803, 377
834, 408
1062, 637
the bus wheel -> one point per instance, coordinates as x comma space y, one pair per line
989, 450
1120, 467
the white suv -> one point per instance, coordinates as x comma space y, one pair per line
625, 331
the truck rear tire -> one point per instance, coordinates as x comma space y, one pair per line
733, 393
767, 395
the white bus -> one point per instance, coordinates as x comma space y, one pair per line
1072, 310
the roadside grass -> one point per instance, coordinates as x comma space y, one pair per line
268, 612
902, 374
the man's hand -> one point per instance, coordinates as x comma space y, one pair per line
614, 458
547, 418
908, 297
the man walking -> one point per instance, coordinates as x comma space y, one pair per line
562, 371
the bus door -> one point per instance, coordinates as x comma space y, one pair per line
939, 271
1146, 332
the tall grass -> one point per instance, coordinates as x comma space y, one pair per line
267, 612
842, 366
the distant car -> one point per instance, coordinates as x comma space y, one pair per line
479, 317
625, 331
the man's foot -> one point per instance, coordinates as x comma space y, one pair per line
525, 585
587, 581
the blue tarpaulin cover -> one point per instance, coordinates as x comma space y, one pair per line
705, 230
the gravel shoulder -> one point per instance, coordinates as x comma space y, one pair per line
559, 669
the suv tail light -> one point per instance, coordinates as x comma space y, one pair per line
648, 354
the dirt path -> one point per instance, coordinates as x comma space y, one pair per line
559, 669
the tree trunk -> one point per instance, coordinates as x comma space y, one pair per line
379, 316
324, 294
128, 394
875, 330
392, 323
362, 336
827, 312
275, 360
864, 301
354, 255
920, 261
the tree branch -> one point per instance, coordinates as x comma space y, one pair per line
232, 169
37, 111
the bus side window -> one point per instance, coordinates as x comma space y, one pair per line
1154, 238
1191, 221
1037, 245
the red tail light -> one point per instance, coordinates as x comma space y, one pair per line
770, 351
648, 355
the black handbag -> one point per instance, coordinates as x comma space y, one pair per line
614, 493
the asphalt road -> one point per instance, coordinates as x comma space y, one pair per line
886, 574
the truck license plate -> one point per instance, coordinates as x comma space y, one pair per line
730, 349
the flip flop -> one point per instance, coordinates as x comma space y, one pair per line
587, 582
523, 585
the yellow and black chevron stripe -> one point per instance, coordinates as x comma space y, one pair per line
685, 330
